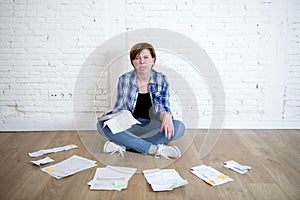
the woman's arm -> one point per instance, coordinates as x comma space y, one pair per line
167, 125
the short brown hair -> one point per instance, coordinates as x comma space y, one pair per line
137, 48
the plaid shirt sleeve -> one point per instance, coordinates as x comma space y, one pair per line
159, 89
127, 92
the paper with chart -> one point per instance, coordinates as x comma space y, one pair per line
111, 178
242, 169
164, 179
121, 122
68, 167
53, 150
210, 175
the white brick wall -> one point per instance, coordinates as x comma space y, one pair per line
255, 45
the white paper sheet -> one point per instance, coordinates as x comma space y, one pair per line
210, 175
68, 167
42, 161
164, 180
111, 178
242, 169
53, 150
122, 121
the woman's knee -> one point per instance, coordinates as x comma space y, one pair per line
100, 129
179, 128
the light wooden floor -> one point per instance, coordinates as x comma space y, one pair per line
274, 156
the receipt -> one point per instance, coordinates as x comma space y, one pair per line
53, 150
231, 164
42, 161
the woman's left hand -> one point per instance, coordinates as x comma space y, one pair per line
167, 125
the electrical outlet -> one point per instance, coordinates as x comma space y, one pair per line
60, 95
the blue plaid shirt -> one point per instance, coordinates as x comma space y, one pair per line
158, 89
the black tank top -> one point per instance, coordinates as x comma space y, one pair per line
142, 106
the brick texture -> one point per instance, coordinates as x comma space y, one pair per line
45, 45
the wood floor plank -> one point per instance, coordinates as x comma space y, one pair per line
274, 156
268, 191
284, 176
229, 147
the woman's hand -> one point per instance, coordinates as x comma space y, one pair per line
167, 125
107, 112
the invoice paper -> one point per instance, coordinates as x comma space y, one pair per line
69, 167
242, 169
164, 179
121, 122
111, 178
210, 175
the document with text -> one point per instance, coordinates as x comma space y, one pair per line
233, 165
210, 175
164, 179
111, 178
68, 167
53, 150
122, 121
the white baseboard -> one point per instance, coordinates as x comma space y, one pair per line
91, 125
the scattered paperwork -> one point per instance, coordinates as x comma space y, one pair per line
210, 175
164, 180
53, 150
111, 178
42, 161
242, 169
69, 167
122, 121
116, 178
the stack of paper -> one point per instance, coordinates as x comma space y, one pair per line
47, 151
111, 178
231, 164
164, 180
210, 175
69, 167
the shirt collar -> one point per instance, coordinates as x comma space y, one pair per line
152, 79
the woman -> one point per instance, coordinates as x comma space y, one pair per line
145, 93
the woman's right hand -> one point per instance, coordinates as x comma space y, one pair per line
107, 112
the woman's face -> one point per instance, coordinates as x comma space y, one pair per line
143, 62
